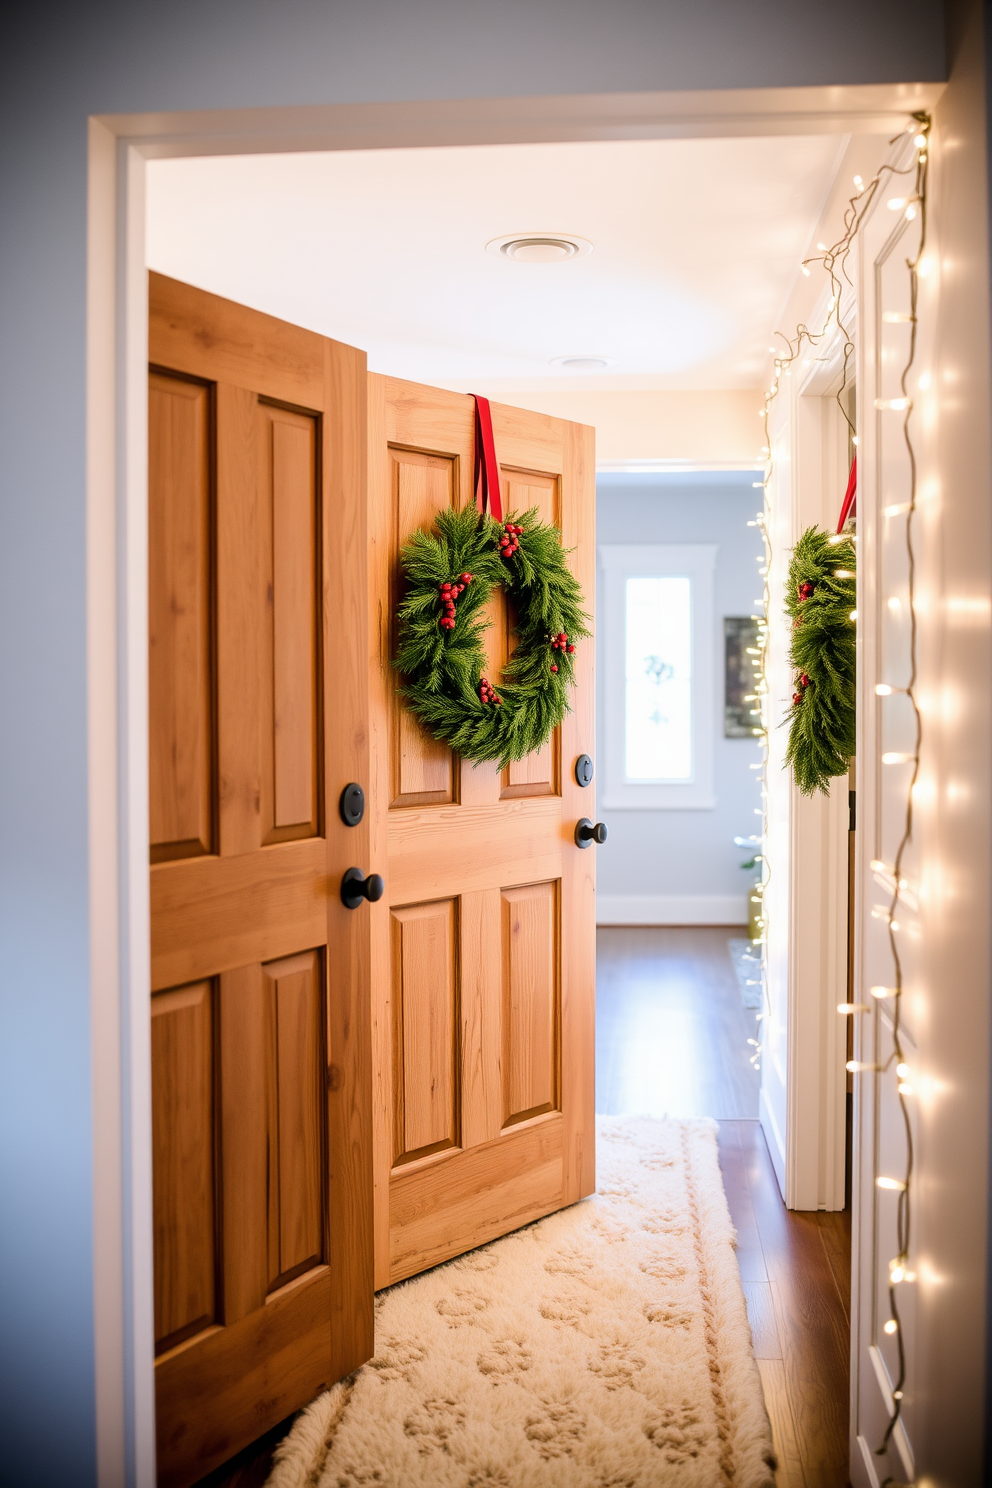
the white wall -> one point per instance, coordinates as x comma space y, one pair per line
633, 427
62, 62
670, 866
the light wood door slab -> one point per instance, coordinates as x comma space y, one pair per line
261, 1067
484, 946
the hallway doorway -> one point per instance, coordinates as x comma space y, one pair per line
672, 1030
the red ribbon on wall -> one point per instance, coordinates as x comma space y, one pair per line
850, 496
486, 468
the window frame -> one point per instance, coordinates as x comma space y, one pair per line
619, 562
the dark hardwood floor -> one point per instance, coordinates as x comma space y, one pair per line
671, 1029
671, 1038
796, 1272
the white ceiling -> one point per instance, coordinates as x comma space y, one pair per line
696, 243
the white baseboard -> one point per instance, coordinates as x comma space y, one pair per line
671, 909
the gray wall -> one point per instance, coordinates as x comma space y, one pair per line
687, 852
60, 63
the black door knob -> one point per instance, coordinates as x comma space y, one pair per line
583, 770
587, 831
352, 804
355, 887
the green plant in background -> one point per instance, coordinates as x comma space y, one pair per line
450, 574
820, 600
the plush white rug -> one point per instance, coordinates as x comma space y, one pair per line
606, 1346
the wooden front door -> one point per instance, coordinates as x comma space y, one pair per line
484, 945
260, 1022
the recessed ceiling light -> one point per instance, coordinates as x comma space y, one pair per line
583, 363
539, 248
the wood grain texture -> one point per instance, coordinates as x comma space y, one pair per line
185, 1219
219, 340
294, 989
530, 1000
348, 933
180, 619
483, 1192
425, 1028
505, 843
536, 774
421, 485
213, 914
245, 1378
287, 1045
289, 447
246, 1131
381, 681
482, 1104
493, 843
578, 876
242, 544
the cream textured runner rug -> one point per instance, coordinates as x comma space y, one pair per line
606, 1346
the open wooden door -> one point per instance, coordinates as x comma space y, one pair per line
484, 947
261, 1072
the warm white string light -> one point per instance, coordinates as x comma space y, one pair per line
900, 887
834, 261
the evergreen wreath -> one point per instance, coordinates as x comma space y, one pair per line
450, 574
820, 598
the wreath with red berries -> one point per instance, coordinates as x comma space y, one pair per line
450, 574
821, 596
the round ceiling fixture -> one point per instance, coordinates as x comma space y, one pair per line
583, 363
539, 248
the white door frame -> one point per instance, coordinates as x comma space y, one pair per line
117, 680
803, 1079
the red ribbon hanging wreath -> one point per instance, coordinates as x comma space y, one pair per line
486, 468
849, 505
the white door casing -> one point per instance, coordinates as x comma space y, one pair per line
803, 1039
885, 724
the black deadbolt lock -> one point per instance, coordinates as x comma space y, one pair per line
583, 769
355, 887
352, 805
587, 831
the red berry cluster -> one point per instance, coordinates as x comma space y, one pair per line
806, 590
802, 684
449, 593
560, 643
508, 543
488, 693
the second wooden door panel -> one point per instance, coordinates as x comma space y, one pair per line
238, 1137
474, 988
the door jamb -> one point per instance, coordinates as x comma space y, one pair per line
117, 667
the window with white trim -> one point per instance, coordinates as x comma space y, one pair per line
659, 679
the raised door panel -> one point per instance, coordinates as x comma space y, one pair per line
180, 629
422, 770
296, 1135
425, 1027
536, 774
242, 607
530, 1000
244, 1060
288, 447
183, 1164
272, 1131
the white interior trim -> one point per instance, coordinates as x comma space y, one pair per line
671, 909
673, 467
119, 145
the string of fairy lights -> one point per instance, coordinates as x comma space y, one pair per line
834, 261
